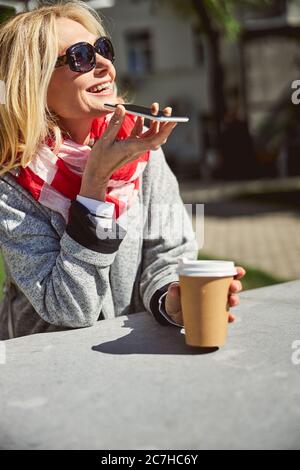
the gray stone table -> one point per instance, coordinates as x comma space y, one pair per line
130, 383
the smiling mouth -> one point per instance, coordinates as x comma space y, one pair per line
104, 89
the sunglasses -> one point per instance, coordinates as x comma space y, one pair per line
81, 57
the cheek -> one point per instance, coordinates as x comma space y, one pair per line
62, 96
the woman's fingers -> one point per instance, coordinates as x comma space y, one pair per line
241, 272
154, 108
124, 151
154, 125
114, 126
235, 286
132, 148
233, 300
167, 112
231, 318
149, 141
161, 137
138, 127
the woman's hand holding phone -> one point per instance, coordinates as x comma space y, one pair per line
109, 154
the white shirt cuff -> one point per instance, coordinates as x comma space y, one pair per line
164, 313
101, 209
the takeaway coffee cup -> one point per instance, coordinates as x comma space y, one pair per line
204, 287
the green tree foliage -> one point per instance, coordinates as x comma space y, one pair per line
224, 14
5, 13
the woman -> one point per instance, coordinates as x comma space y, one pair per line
72, 176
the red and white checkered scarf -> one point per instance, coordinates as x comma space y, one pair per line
55, 180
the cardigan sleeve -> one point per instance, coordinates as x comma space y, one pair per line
65, 279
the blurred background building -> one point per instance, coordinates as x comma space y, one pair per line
235, 88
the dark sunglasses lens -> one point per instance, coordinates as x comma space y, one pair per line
105, 48
82, 58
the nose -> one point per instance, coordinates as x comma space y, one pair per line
102, 62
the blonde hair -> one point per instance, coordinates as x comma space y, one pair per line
29, 47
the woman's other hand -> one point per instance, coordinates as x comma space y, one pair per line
173, 302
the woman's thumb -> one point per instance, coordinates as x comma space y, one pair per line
173, 289
173, 298
115, 124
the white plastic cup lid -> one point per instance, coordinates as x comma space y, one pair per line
206, 268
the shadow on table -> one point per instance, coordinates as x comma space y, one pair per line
147, 337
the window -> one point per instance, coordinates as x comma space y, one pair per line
139, 53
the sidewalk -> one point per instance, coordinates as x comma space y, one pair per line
262, 235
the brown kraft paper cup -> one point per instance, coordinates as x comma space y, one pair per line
205, 309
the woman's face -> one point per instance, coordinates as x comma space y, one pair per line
67, 92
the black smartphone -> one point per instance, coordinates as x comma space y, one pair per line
146, 113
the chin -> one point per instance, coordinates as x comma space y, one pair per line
95, 104
98, 112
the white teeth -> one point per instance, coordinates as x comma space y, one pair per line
101, 87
